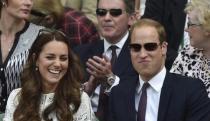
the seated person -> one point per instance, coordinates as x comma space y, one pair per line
107, 61
87, 7
194, 59
51, 14
50, 84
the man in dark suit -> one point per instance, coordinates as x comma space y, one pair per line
106, 61
156, 95
170, 13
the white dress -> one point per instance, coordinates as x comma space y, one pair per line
84, 113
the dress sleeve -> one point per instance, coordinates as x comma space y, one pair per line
85, 111
12, 103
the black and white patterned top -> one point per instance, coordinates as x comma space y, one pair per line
10, 69
191, 62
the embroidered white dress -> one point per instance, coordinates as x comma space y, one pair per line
84, 113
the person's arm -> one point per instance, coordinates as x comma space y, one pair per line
12, 103
85, 111
90, 86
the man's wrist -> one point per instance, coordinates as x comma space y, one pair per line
110, 79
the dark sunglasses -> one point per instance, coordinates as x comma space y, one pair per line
191, 24
147, 47
112, 12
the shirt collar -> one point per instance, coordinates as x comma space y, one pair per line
156, 82
119, 44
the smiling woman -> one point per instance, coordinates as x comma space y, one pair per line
50, 84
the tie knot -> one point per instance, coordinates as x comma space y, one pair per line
145, 86
113, 47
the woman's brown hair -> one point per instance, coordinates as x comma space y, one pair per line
67, 92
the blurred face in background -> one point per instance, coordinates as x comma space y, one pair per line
195, 30
18, 8
147, 53
53, 64
112, 25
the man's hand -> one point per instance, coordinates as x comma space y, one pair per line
99, 67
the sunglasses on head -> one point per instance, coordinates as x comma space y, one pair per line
112, 12
147, 47
50, 31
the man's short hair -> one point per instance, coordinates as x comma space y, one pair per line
151, 23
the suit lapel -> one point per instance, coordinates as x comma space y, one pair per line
164, 98
130, 99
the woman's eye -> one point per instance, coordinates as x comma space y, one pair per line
50, 57
64, 58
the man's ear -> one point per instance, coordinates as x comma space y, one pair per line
132, 19
164, 46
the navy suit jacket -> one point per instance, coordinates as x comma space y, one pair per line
182, 99
170, 13
122, 68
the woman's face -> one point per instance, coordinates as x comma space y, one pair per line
53, 64
195, 30
19, 8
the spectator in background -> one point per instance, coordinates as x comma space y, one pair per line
50, 84
88, 7
142, 6
170, 13
114, 18
16, 37
194, 59
74, 24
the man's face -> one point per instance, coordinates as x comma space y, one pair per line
150, 59
113, 27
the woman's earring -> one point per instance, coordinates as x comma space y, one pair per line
3, 4
36, 68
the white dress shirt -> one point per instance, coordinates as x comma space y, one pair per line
108, 53
153, 95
